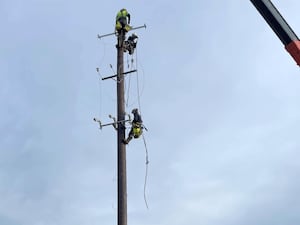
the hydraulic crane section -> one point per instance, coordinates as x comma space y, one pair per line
280, 27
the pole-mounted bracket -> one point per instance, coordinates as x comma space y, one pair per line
114, 124
116, 33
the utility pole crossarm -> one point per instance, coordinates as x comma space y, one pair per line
139, 27
105, 35
115, 33
114, 124
115, 75
280, 27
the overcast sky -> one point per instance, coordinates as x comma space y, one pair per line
219, 95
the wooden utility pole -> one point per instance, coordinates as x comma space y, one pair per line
120, 122
122, 183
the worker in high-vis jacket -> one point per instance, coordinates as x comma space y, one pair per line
123, 20
137, 127
130, 43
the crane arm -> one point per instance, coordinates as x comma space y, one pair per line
278, 24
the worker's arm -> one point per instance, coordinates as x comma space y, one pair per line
128, 15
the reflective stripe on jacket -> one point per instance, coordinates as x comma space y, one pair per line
137, 131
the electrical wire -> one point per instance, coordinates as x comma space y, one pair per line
100, 94
104, 45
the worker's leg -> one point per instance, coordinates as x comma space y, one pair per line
130, 136
118, 26
124, 24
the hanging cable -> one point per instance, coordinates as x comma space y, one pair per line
103, 91
144, 140
146, 173
100, 93
113, 72
104, 53
139, 106
137, 82
129, 80
128, 88
100, 77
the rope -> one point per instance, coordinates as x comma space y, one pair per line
146, 173
139, 106
144, 140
